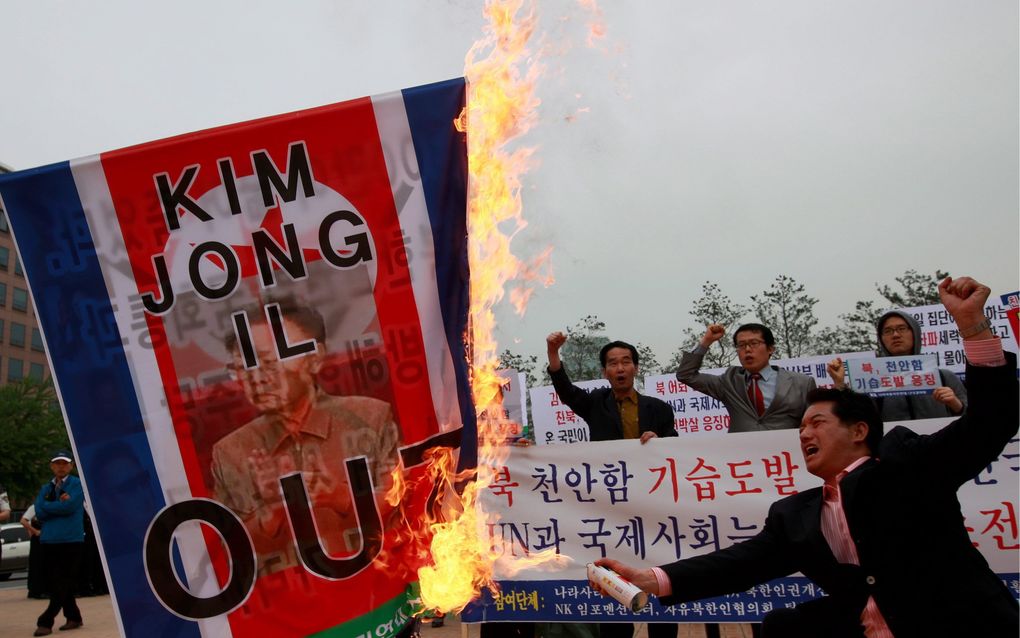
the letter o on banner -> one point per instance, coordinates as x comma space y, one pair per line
160, 569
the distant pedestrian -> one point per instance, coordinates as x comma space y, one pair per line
91, 577
36, 576
60, 507
5, 506
5, 512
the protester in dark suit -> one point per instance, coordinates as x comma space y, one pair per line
643, 417
884, 537
616, 412
772, 400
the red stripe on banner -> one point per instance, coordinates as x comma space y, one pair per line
345, 155
366, 175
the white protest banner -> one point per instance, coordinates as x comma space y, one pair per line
672, 499
554, 421
694, 413
893, 376
514, 423
940, 336
814, 366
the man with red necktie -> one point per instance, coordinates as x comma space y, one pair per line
757, 395
883, 536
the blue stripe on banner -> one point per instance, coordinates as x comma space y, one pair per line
96, 387
574, 601
442, 160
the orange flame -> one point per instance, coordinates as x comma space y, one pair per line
501, 107
452, 559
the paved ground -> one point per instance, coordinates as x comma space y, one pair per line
453, 629
18, 614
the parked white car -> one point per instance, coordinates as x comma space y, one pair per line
14, 539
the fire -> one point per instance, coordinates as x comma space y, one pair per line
501, 73
452, 559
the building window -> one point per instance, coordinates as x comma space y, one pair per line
2, 330
37, 343
5, 257
15, 369
3, 295
19, 301
17, 334
35, 371
17, 267
3, 221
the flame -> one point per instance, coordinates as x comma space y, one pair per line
596, 27
502, 106
452, 559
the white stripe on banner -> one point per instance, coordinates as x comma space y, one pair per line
129, 314
406, 185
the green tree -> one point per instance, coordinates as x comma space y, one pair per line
31, 428
790, 313
649, 363
580, 354
917, 289
855, 333
712, 307
527, 365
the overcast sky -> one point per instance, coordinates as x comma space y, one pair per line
836, 142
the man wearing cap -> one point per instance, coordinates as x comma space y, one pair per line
60, 507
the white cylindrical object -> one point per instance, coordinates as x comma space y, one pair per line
618, 587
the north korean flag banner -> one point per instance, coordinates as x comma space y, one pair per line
255, 331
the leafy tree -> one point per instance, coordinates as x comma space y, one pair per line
789, 312
918, 289
31, 428
856, 332
712, 307
649, 363
527, 365
580, 354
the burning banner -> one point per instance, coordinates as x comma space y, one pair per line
256, 331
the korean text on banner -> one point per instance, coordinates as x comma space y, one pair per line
250, 327
676, 498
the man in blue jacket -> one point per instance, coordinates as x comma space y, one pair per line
60, 507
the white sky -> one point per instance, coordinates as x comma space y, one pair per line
836, 142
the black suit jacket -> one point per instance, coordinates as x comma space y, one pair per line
599, 410
916, 557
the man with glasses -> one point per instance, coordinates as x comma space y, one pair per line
883, 535
899, 335
300, 428
757, 395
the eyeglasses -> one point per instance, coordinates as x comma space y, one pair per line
750, 344
895, 330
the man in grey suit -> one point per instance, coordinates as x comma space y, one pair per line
757, 395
